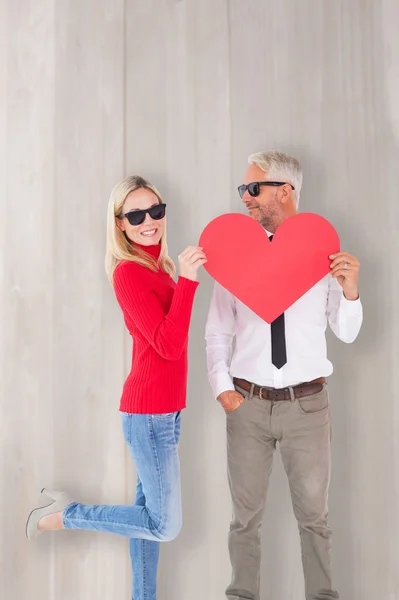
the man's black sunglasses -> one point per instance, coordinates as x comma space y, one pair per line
137, 217
254, 187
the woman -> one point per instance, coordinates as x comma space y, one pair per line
157, 313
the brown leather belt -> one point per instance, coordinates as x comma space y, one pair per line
308, 388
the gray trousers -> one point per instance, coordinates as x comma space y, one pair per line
302, 429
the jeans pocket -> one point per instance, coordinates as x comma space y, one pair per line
127, 427
164, 415
317, 403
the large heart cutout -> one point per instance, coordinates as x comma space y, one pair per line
269, 277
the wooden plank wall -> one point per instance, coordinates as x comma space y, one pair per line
181, 92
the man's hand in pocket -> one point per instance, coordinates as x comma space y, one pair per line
230, 400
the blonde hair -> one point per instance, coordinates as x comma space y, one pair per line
280, 167
119, 247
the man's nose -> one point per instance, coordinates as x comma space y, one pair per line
246, 197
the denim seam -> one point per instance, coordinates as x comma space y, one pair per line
132, 527
160, 479
144, 568
129, 429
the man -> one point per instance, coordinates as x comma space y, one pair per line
274, 389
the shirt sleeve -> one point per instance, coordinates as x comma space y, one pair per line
345, 317
166, 332
220, 330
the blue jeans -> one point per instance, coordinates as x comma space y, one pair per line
156, 515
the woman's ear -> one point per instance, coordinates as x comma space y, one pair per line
120, 223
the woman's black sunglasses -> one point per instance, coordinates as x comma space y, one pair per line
254, 187
137, 217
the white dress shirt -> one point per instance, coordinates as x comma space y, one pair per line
305, 326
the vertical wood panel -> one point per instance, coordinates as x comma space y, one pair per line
89, 369
27, 407
179, 122
277, 102
321, 93
203, 450
63, 334
388, 208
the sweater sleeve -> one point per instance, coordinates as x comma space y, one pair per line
344, 316
166, 332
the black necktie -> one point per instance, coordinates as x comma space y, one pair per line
277, 327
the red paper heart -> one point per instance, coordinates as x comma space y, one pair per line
269, 277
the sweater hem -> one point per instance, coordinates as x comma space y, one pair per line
148, 409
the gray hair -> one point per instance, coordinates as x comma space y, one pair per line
280, 167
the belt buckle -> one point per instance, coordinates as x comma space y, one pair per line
261, 393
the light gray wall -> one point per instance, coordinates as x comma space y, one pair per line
181, 92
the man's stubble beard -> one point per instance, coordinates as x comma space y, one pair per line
269, 218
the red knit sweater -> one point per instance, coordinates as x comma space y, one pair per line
157, 313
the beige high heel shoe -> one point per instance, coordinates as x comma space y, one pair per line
60, 500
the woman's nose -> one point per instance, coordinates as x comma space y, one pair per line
148, 218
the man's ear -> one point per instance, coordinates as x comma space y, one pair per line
285, 193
